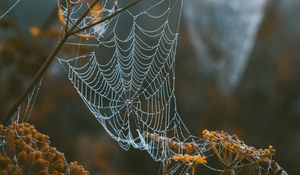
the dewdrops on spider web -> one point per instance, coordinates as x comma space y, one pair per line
130, 87
128, 81
98, 12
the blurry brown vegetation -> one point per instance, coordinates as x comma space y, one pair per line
26, 151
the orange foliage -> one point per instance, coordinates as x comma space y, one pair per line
189, 159
33, 153
235, 145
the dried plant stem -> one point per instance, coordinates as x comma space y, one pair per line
193, 170
68, 32
35, 80
165, 169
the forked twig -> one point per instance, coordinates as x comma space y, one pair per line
106, 18
67, 33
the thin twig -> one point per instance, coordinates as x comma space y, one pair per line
68, 15
107, 18
53, 54
36, 79
216, 152
82, 17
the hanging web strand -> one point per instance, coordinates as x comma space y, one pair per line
223, 34
24, 111
31, 101
128, 82
9, 9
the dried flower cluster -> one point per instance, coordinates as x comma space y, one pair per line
232, 143
189, 159
7, 166
26, 151
188, 148
236, 156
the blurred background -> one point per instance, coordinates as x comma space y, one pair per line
237, 70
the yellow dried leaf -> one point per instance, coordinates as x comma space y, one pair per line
61, 17
85, 36
97, 7
96, 13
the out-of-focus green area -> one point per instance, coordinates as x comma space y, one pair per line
263, 110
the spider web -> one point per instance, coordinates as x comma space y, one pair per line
223, 34
128, 80
129, 85
4, 11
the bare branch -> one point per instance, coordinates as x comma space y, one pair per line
106, 18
